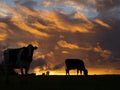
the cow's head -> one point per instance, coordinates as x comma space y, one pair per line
31, 49
30, 46
85, 72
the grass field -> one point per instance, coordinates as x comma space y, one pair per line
61, 82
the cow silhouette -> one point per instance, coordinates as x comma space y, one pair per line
18, 58
75, 64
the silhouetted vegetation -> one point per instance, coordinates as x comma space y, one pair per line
63, 82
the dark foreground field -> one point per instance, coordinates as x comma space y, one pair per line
96, 82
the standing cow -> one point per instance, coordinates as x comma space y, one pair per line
75, 64
18, 58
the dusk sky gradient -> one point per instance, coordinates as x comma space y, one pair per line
84, 29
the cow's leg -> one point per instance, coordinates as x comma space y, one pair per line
77, 71
5, 63
67, 71
6, 72
22, 72
8, 68
26, 70
80, 72
85, 72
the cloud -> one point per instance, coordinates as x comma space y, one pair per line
31, 30
4, 11
58, 66
85, 7
102, 23
64, 44
109, 38
60, 35
104, 5
3, 37
27, 3
47, 3
41, 63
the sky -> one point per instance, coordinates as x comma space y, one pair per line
83, 29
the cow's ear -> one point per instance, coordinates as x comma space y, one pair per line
35, 47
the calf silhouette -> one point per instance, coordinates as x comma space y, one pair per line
75, 64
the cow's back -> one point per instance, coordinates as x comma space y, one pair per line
74, 64
11, 54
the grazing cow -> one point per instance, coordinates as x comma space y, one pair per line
75, 64
18, 58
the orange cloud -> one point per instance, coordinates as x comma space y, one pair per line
55, 21
65, 44
3, 25
24, 18
31, 30
79, 29
27, 12
100, 22
3, 36
38, 25
103, 53
81, 16
65, 52
22, 44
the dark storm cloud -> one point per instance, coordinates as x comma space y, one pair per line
27, 3
109, 38
58, 66
103, 5
38, 63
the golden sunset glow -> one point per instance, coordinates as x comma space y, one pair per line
37, 71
